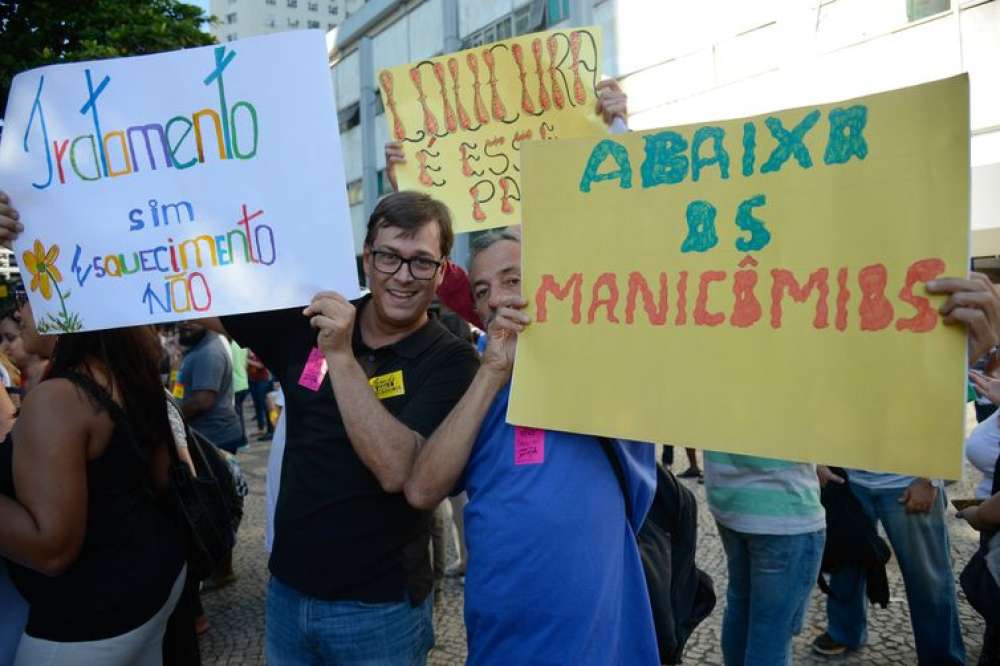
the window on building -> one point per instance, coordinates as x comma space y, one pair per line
313, 6
271, 2
331, 26
312, 24
231, 18
271, 21
529, 18
349, 116
231, 38
556, 11
293, 23
334, 10
292, 3
920, 9
384, 186
355, 192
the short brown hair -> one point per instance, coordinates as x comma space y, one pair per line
410, 211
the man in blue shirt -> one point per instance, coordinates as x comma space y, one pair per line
554, 574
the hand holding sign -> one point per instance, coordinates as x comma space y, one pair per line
332, 316
509, 321
612, 101
10, 224
394, 154
974, 302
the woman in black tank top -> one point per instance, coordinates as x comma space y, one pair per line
92, 544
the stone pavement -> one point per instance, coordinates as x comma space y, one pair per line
236, 613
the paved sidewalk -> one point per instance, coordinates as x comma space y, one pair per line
236, 613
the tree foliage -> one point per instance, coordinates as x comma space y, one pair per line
43, 32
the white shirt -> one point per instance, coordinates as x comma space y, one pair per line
274, 470
982, 448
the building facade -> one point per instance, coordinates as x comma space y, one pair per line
684, 62
246, 18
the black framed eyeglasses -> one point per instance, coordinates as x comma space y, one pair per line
421, 268
20, 296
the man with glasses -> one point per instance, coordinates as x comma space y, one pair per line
365, 382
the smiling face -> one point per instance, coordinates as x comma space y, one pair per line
496, 277
401, 300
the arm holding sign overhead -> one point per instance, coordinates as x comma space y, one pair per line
443, 457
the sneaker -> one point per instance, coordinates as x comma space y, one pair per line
827, 646
690, 473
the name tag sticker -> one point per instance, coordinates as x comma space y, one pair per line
178, 391
314, 371
529, 446
388, 386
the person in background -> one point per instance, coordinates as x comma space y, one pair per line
260, 385
982, 448
773, 528
912, 511
83, 524
692, 472
30, 366
241, 383
206, 395
206, 387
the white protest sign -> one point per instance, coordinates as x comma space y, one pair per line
194, 183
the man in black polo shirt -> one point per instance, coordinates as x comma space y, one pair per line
365, 383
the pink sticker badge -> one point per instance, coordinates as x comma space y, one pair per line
529, 446
315, 370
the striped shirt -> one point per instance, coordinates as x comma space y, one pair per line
763, 496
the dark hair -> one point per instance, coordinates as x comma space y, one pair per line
410, 211
130, 357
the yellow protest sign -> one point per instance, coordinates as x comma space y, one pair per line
757, 285
463, 117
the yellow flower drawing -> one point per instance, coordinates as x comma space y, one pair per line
42, 266
45, 278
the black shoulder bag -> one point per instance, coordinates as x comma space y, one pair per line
680, 594
207, 505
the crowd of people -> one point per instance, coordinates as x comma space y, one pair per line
385, 412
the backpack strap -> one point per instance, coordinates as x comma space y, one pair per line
616, 465
100, 395
96, 392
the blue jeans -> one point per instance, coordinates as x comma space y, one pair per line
920, 543
301, 630
770, 578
